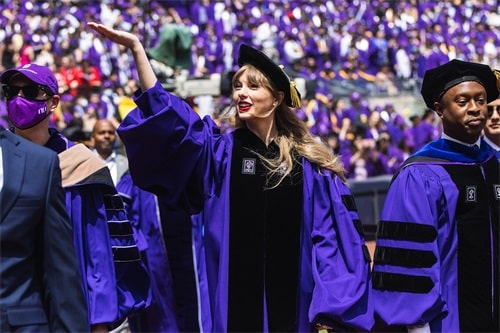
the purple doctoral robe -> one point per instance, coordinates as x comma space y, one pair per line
436, 259
186, 160
115, 282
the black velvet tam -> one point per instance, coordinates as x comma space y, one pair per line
275, 73
439, 79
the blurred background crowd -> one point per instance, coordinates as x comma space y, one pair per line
361, 61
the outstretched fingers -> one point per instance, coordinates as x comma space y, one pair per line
121, 37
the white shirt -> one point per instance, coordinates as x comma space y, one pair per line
111, 164
419, 329
477, 143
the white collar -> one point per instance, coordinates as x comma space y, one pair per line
447, 137
111, 158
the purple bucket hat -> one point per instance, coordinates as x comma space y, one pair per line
36, 73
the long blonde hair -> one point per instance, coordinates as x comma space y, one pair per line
293, 136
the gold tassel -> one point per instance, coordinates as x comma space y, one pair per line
497, 74
294, 95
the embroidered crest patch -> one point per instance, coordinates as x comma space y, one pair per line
248, 166
497, 191
471, 193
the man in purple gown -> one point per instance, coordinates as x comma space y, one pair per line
436, 264
114, 281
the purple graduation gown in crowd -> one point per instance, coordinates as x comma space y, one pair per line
115, 282
186, 160
436, 259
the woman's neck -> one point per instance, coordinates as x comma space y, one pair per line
266, 131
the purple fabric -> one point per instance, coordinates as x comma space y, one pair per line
213, 52
398, 156
97, 269
334, 283
337, 17
58, 142
143, 213
113, 289
424, 133
373, 167
436, 207
3, 114
201, 14
357, 114
396, 133
20, 112
36, 73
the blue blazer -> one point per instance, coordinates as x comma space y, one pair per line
40, 286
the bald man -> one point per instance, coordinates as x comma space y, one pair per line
104, 143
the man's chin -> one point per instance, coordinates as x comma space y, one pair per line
106, 151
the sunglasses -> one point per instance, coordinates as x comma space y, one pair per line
30, 92
492, 108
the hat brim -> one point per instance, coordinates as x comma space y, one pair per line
8, 74
31, 75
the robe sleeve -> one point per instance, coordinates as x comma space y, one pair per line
116, 282
133, 285
171, 151
340, 260
406, 273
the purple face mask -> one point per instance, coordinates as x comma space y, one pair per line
26, 113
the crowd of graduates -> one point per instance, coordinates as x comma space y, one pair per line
356, 60
346, 51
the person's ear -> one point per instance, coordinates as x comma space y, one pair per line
279, 98
439, 109
54, 103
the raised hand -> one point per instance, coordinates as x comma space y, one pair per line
118, 36
145, 72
